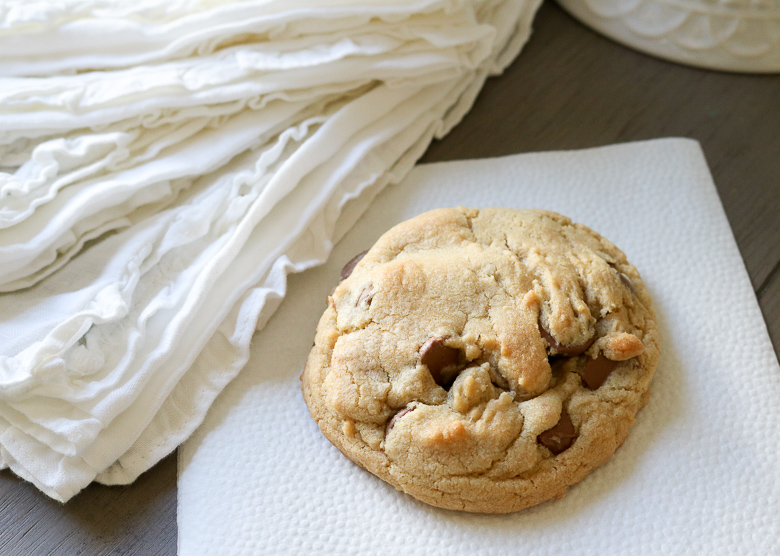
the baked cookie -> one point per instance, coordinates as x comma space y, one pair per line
483, 360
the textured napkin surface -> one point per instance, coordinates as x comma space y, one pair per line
699, 473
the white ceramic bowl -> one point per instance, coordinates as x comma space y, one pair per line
730, 35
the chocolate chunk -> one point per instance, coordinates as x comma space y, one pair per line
626, 281
561, 436
442, 361
566, 351
365, 297
350, 266
401, 413
597, 370
623, 278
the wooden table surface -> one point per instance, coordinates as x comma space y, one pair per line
569, 89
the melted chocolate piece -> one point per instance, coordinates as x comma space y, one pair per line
561, 436
366, 296
350, 266
597, 370
442, 361
398, 415
566, 351
626, 281
623, 278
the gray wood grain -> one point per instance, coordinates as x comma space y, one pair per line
769, 299
136, 519
569, 89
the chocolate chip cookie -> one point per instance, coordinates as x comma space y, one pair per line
483, 360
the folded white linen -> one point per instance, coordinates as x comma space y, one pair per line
95, 34
65, 104
150, 215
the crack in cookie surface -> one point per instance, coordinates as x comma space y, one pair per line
439, 379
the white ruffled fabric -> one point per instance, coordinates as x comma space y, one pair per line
164, 166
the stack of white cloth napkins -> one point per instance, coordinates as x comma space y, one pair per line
165, 165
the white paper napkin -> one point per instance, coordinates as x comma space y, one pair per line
699, 473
